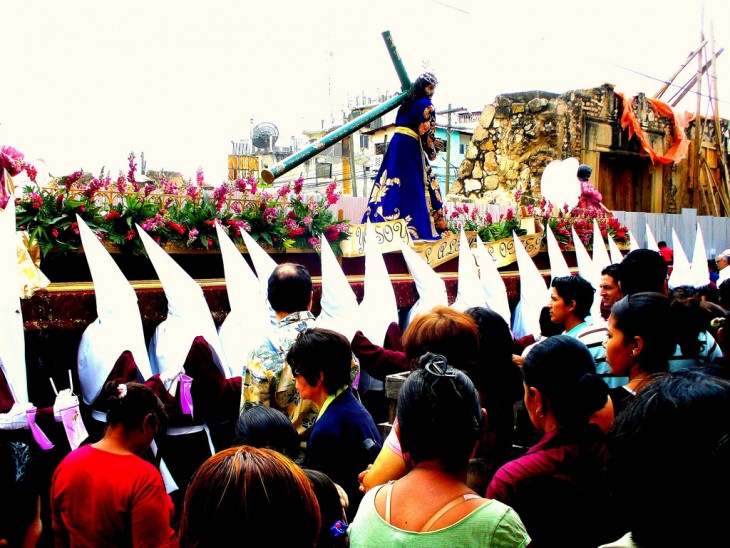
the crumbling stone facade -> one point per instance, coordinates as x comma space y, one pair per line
520, 133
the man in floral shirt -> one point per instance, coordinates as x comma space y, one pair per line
267, 378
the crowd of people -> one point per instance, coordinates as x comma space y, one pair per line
576, 437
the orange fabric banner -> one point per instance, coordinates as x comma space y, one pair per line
678, 151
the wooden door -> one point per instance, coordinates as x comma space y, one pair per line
625, 182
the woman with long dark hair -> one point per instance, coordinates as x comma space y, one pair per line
405, 187
105, 494
440, 424
639, 342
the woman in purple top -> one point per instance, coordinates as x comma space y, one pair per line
559, 487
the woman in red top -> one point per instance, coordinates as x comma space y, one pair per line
104, 494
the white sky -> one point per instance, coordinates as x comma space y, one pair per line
87, 82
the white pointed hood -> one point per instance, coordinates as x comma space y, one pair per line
587, 269
493, 286
681, 268
650, 240
615, 252
188, 316
633, 244
339, 307
700, 272
264, 266
249, 321
600, 254
378, 307
118, 326
430, 286
558, 265
12, 339
534, 294
469, 292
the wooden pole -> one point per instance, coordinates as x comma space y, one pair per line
685, 89
668, 83
718, 126
724, 198
698, 114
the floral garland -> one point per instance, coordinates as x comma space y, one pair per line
488, 230
180, 214
559, 220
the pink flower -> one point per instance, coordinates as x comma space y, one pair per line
240, 185
284, 190
35, 200
307, 221
192, 192
199, 177
270, 215
31, 171
220, 195
236, 207
314, 242
132, 170
4, 201
298, 185
192, 235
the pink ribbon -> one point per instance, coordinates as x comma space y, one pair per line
74, 426
186, 398
38, 434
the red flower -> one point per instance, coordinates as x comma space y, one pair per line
113, 214
75, 228
130, 234
180, 229
331, 233
55, 233
296, 232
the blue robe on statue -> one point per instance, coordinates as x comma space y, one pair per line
405, 187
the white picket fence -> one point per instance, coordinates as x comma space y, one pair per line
715, 230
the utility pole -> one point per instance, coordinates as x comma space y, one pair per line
448, 141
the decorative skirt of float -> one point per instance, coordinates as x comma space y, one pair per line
440, 254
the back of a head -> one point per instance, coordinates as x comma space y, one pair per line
677, 426
322, 351
643, 270
330, 508
290, 288
584, 172
688, 320
439, 417
578, 289
19, 492
647, 315
254, 492
548, 328
563, 370
130, 403
496, 373
443, 331
723, 291
262, 426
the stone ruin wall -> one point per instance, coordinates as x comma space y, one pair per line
520, 133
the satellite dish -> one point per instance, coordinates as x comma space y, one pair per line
265, 135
